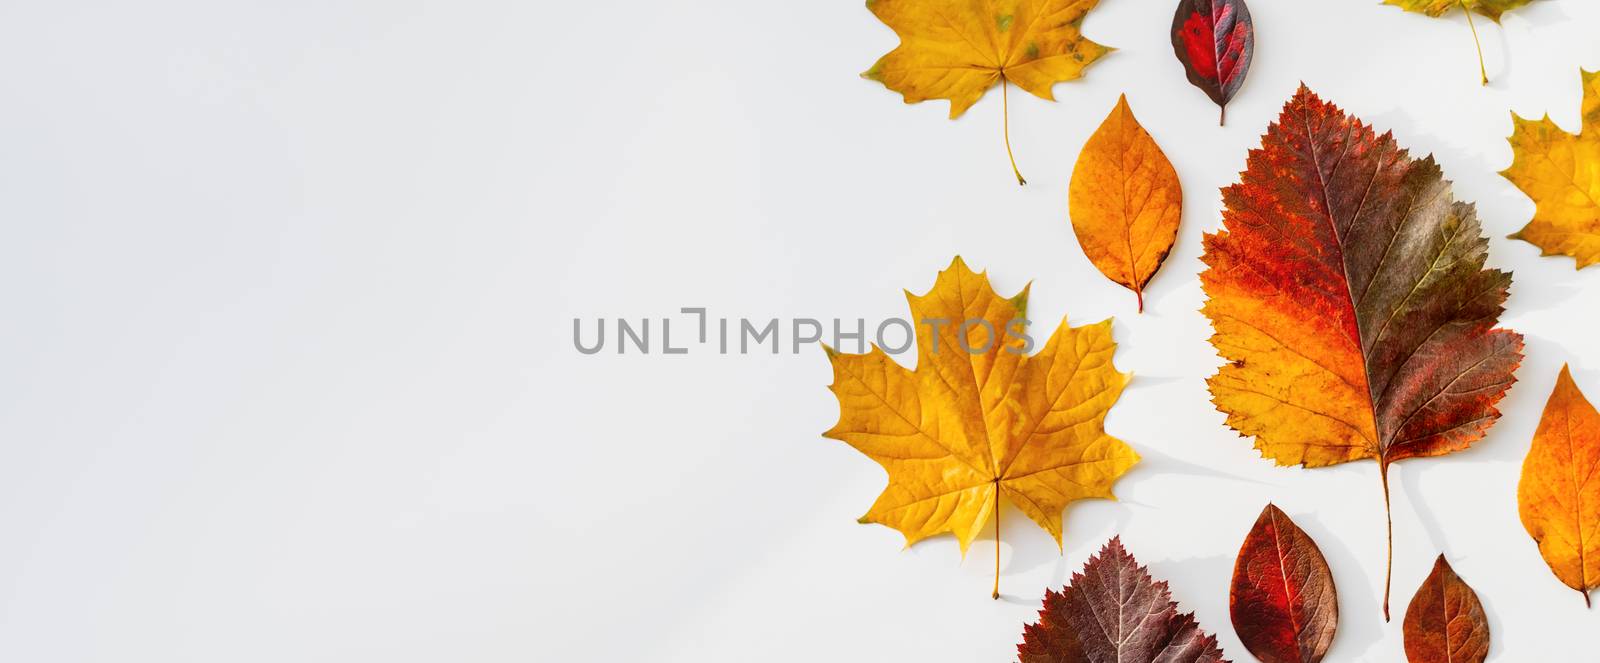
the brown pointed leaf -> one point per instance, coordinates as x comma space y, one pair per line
1113, 611
1445, 621
1349, 297
1125, 201
1283, 602
1557, 497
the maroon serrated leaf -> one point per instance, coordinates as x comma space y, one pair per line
1215, 41
1114, 612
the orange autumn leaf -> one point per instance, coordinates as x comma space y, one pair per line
1557, 497
958, 49
979, 419
1125, 201
1350, 299
1445, 621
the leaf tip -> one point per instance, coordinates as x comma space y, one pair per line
875, 73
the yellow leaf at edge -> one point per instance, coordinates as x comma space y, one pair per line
1490, 8
964, 425
1561, 173
1125, 201
957, 49
1558, 496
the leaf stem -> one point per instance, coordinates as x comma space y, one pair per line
1483, 74
1222, 118
996, 594
1005, 127
1388, 515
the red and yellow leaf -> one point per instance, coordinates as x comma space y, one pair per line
1349, 297
1283, 602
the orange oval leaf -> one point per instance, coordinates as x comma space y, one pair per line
1559, 508
1125, 201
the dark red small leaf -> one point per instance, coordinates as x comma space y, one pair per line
1215, 40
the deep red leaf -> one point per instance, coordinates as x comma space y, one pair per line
1215, 40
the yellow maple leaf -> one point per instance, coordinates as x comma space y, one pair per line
979, 419
958, 49
1492, 9
1559, 504
1436, 8
1561, 173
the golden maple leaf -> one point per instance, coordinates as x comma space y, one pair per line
1558, 501
1125, 201
1492, 9
1436, 8
958, 49
978, 419
1561, 173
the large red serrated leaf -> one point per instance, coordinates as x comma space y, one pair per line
1350, 299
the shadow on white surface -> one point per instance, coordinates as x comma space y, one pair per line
1361, 625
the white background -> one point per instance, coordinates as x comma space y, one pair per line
288, 294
